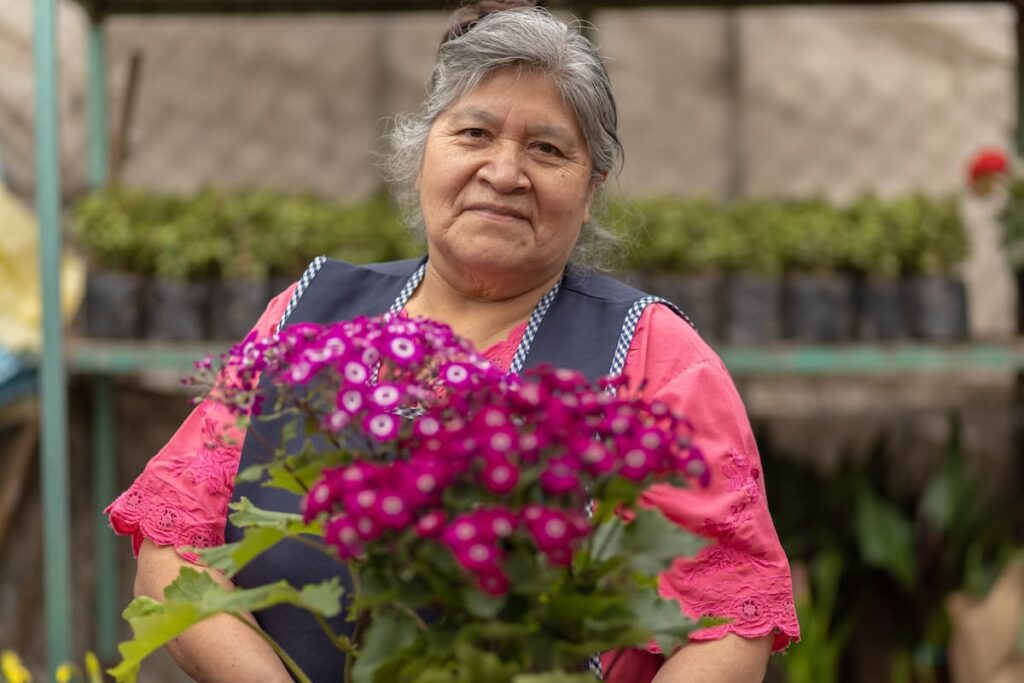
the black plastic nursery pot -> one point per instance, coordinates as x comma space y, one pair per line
113, 304
176, 309
1020, 300
235, 306
936, 307
698, 295
752, 308
818, 307
880, 309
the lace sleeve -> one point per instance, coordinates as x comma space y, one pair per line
181, 498
744, 574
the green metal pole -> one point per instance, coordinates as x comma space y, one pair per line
104, 475
104, 479
1019, 132
53, 433
96, 105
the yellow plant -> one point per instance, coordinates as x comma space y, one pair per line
12, 669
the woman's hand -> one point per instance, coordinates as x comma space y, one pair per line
218, 650
731, 659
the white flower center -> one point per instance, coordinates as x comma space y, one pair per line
393, 505
425, 483
636, 458
355, 372
403, 348
555, 528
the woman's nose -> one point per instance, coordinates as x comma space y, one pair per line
504, 169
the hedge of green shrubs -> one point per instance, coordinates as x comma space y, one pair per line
254, 234
906, 235
233, 235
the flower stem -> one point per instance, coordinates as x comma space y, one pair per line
285, 657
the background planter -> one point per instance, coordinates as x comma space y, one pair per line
1019, 276
176, 309
698, 295
753, 308
113, 305
936, 307
880, 310
818, 307
235, 306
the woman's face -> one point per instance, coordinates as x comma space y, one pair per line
505, 184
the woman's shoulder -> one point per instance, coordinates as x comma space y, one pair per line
667, 344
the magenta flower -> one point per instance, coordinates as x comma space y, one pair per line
477, 555
637, 463
430, 524
381, 426
426, 426
385, 396
493, 581
355, 372
341, 533
457, 375
497, 522
368, 528
561, 475
391, 511
351, 401
500, 476
319, 499
550, 530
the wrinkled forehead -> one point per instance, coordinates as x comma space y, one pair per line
530, 91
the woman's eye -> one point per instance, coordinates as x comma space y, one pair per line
548, 148
477, 133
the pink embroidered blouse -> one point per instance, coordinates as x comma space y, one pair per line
181, 498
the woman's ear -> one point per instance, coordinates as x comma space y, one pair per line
596, 181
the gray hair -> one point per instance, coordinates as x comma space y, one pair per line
527, 38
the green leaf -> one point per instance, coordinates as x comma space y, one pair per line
607, 540
651, 542
195, 596
232, 557
300, 472
248, 515
251, 474
481, 605
262, 530
388, 634
555, 677
663, 619
478, 665
885, 537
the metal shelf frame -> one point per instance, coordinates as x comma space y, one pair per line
104, 362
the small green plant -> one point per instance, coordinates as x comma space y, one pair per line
815, 659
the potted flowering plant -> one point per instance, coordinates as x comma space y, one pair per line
989, 171
443, 486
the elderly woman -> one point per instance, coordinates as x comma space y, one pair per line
501, 170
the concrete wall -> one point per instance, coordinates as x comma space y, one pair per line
824, 101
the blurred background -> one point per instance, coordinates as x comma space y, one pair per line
803, 179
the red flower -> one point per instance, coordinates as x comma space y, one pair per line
986, 165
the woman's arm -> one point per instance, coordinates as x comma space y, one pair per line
218, 650
731, 659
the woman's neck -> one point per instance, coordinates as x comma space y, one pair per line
483, 316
